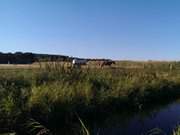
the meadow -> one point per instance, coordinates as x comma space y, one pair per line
58, 99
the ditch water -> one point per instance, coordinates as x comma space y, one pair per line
164, 117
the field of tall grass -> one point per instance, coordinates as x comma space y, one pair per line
55, 98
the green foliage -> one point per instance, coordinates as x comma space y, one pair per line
177, 131
33, 127
53, 94
84, 130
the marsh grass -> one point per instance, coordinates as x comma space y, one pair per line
176, 131
53, 93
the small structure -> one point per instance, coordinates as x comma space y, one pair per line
79, 62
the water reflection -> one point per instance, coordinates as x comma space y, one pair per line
165, 117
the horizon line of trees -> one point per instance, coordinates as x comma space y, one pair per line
29, 58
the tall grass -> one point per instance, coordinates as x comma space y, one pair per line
177, 131
55, 92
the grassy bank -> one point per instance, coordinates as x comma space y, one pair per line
54, 95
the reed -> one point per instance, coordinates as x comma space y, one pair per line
55, 92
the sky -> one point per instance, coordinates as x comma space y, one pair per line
115, 29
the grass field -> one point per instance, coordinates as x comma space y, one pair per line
53, 95
18, 66
93, 64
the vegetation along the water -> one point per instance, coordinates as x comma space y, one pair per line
58, 99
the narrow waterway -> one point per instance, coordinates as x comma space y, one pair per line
164, 117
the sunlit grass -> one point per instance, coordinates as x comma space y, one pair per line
54, 93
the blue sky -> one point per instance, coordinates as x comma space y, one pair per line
117, 29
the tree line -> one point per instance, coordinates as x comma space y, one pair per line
29, 58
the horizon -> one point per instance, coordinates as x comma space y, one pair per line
119, 30
129, 60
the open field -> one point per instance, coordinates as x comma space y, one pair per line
93, 64
54, 96
18, 66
